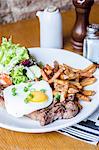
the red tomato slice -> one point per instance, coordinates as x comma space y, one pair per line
6, 79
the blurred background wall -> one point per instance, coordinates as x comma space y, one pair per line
14, 10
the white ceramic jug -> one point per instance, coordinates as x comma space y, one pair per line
50, 28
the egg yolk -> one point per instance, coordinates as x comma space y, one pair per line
37, 96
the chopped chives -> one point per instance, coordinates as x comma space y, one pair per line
29, 85
57, 97
43, 90
25, 89
31, 95
26, 100
14, 94
14, 91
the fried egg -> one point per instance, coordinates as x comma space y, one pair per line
25, 98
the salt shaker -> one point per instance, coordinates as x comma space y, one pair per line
50, 28
91, 43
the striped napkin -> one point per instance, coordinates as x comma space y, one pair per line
87, 130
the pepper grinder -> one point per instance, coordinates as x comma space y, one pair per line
82, 8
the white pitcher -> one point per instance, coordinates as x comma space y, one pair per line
50, 28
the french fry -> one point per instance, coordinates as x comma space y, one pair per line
89, 72
86, 74
72, 86
72, 90
48, 72
89, 68
92, 69
56, 75
62, 67
63, 76
62, 82
48, 67
77, 79
44, 75
59, 87
71, 75
63, 96
70, 82
77, 84
73, 69
88, 92
67, 71
88, 81
82, 97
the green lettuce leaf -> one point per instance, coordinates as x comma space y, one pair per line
11, 54
18, 74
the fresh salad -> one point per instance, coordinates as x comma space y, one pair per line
16, 64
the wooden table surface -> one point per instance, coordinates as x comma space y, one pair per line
27, 33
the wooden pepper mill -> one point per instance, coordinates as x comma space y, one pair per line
82, 8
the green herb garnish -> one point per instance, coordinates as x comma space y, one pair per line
26, 100
14, 94
30, 84
14, 91
26, 89
31, 95
43, 90
57, 97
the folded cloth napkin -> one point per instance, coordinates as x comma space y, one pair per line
87, 130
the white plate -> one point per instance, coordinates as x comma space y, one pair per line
48, 56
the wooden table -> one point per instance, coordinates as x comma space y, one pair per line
27, 33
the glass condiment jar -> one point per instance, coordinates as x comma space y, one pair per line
91, 43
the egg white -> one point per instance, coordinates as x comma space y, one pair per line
16, 106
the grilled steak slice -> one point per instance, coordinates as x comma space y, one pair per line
55, 111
